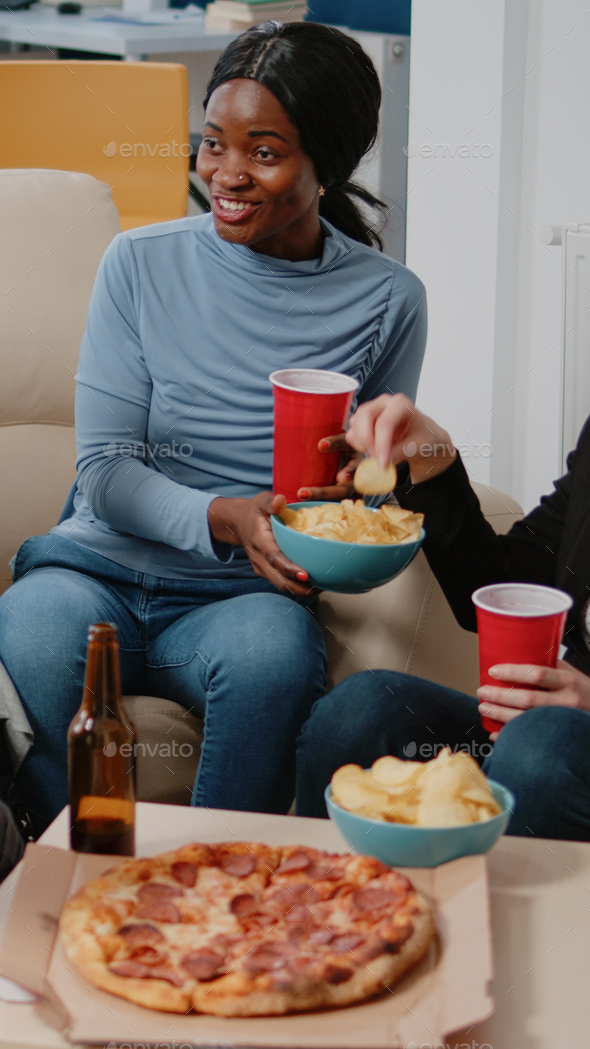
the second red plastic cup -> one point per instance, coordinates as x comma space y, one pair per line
518, 623
309, 404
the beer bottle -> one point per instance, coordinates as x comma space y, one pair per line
101, 755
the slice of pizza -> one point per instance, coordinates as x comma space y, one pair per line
244, 929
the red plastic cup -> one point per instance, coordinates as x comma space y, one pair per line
518, 623
309, 404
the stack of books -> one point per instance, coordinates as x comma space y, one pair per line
233, 16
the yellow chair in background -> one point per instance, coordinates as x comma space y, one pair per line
125, 123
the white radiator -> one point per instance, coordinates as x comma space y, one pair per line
575, 402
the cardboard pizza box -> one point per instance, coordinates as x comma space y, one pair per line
446, 992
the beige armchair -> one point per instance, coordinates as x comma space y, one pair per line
56, 227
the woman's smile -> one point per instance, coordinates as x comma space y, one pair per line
233, 209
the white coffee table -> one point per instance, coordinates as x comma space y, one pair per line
541, 926
42, 25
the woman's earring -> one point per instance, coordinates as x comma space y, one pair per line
321, 191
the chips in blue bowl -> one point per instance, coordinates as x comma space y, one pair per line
406, 845
343, 567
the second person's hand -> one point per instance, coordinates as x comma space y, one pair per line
392, 429
562, 686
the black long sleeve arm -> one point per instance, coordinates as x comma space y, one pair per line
463, 550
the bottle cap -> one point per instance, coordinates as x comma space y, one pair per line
102, 632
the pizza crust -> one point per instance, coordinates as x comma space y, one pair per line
92, 920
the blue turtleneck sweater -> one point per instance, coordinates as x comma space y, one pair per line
173, 402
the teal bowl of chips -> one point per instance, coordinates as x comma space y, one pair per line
342, 567
405, 845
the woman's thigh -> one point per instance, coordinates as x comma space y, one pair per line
382, 712
252, 666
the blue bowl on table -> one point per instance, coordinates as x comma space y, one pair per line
403, 845
344, 568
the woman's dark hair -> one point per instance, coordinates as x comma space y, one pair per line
330, 91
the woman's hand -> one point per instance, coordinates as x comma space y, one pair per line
542, 687
392, 429
246, 522
344, 487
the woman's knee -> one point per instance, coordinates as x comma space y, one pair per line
537, 747
373, 699
274, 638
356, 710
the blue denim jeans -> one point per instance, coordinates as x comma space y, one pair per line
246, 659
543, 756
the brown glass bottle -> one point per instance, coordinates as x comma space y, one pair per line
101, 755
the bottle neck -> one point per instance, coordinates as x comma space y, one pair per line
102, 682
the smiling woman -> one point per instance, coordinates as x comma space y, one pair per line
279, 151
167, 530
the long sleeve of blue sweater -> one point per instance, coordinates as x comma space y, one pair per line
174, 406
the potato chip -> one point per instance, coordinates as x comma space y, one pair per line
357, 794
448, 791
394, 773
372, 479
443, 812
401, 810
353, 522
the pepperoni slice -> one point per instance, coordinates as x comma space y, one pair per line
305, 893
347, 942
140, 935
284, 898
297, 861
154, 890
321, 936
298, 913
269, 956
376, 946
238, 864
325, 872
130, 969
185, 873
158, 912
147, 956
337, 973
167, 974
298, 932
203, 965
372, 897
243, 905
143, 973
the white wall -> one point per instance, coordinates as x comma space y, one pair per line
555, 190
516, 76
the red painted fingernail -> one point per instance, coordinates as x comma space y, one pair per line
301, 575
323, 444
304, 493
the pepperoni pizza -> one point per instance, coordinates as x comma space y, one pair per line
246, 929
